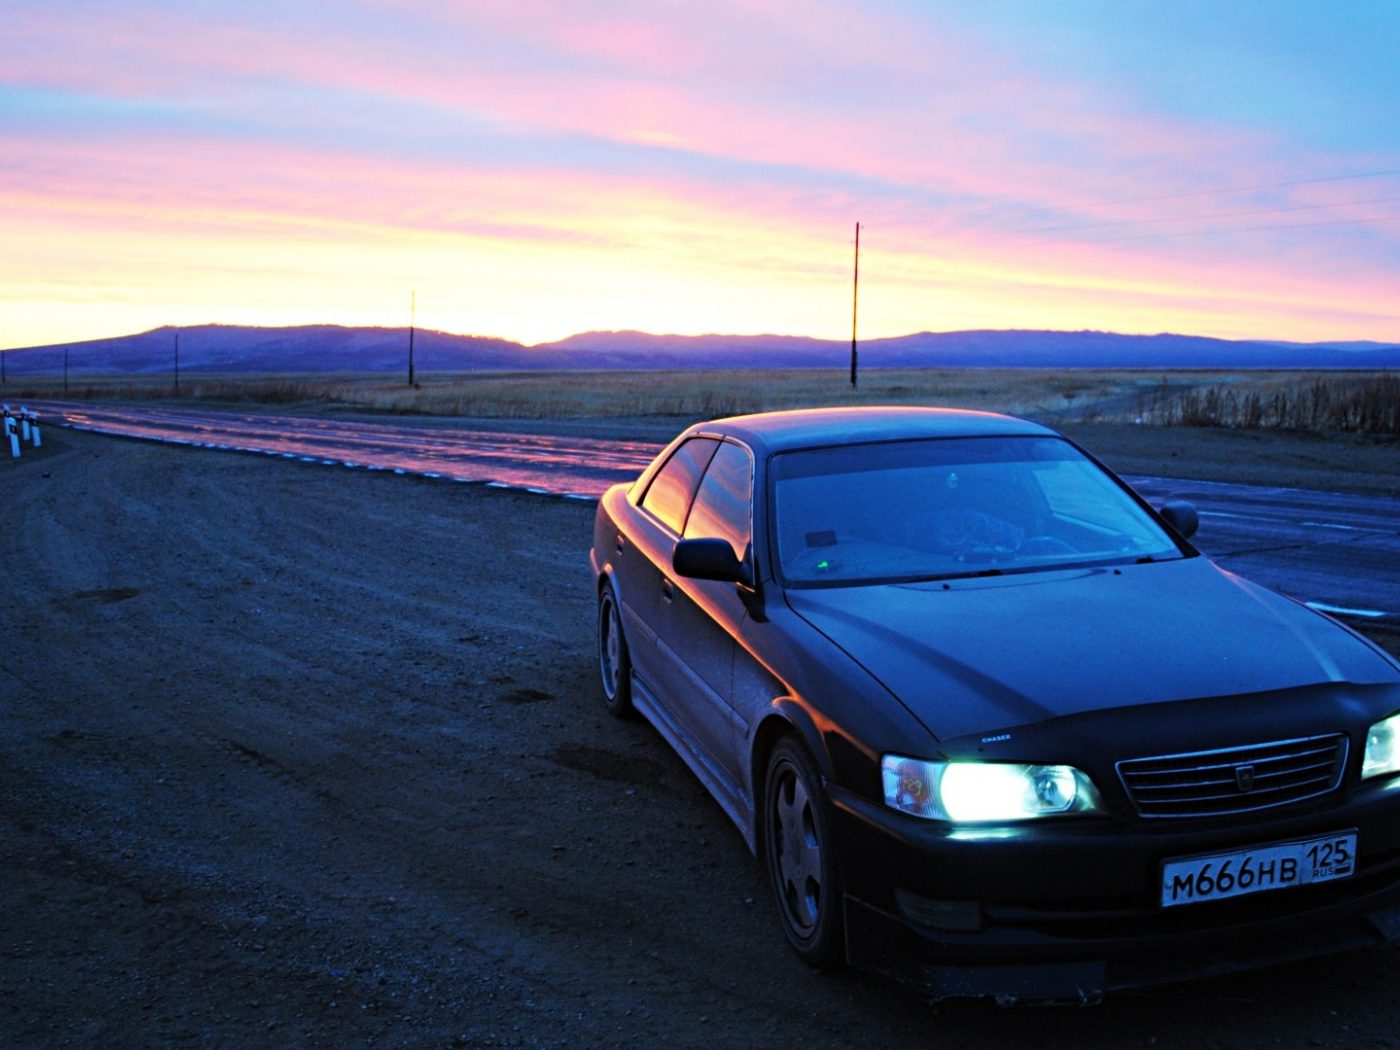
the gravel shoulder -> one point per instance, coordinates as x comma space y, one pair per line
304, 756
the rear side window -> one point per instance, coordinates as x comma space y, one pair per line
722, 506
670, 492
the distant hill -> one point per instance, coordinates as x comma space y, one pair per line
239, 348
333, 348
973, 349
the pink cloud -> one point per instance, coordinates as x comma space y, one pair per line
777, 123
834, 88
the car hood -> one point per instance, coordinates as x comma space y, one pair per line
977, 655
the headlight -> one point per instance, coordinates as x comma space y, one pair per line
985, 791
1382, 748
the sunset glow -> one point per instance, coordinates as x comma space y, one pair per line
536, 169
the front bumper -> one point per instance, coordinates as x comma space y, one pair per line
1067, 910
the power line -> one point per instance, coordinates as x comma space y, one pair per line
1230, 229
1213, 215
1217, 215
1252, 189
1181, 196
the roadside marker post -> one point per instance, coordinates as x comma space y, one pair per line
19, 427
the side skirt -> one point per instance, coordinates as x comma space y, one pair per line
719, 784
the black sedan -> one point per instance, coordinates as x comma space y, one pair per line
989, 721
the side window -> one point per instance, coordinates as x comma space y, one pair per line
668, 496
723, 506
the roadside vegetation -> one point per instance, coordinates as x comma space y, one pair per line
1302, 401
1364, 404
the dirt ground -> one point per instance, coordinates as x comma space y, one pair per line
1364, 464
303, 756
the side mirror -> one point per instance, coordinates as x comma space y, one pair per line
708, 559
1181, 516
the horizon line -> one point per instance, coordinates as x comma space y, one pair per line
704, 335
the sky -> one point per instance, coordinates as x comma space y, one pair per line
531, 169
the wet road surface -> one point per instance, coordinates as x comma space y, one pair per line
1338, 552
567, 466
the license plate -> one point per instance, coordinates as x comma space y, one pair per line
1277, 866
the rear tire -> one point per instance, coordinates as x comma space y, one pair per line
614, 663
798, 853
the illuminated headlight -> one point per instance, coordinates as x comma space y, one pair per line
1382, 748
985, 791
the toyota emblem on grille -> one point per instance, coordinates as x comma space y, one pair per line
1244, 777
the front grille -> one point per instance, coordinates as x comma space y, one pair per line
1234, 780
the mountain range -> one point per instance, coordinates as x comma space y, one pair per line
218, 348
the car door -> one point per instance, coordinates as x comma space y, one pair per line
642, 562
699, 619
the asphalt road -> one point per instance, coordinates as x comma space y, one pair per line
579, 466
1338, 552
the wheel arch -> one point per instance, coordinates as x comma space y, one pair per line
784, 717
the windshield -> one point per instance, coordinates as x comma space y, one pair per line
951, 507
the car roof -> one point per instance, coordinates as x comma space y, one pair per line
819, 427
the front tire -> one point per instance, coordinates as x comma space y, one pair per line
798, 853
614, 663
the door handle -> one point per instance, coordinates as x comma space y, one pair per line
620, 544
668, 589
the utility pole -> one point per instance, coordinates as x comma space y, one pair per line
177, 361
855, 293
65, 369
412, 312
2, 368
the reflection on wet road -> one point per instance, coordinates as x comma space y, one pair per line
1338, 552
573, 466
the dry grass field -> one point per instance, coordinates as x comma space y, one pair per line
1354, 402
